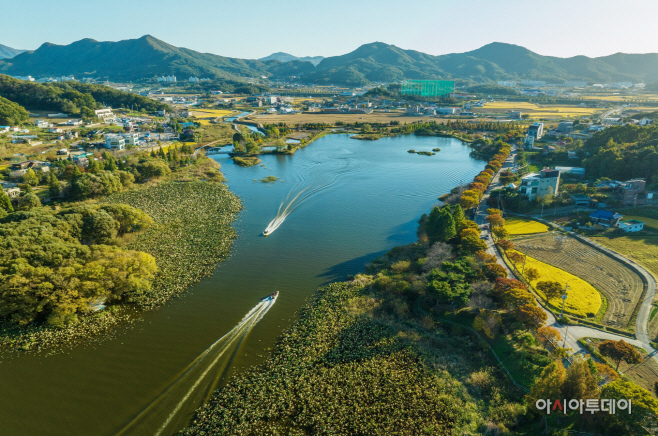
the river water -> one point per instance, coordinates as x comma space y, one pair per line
349, 201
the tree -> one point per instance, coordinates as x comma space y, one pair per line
548, 385
54, 186
493, 271
469, 199
487, 322
440, 225
550, 289
100, 228
29, 201
532, 274
30, 178
366, 128
458, 216
620, 350
645, 409
530, 316
580, 382
506, 245
472, 244
550, 333
5, 202
500, 232
515, 257
495, 220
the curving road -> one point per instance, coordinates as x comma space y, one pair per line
571, 334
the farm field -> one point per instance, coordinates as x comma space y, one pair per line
211, 112
583, 299
375, 117
641, 249
537, 111
520, 226
622, 287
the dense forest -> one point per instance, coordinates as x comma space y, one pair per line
12, 114
72, 97
622, 153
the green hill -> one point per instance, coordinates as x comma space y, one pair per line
285, 57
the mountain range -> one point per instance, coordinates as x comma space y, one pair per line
285, 57
8, 52
148, 57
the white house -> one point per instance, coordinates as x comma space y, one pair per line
130, 138
631, 226
41, 124
103, 113
115, 142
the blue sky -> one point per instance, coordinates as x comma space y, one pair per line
256, 28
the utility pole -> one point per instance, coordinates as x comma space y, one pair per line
564, 298
564, 345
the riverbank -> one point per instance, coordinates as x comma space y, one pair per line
193, 214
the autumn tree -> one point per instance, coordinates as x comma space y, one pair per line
550, 289
548, 385
515, 257
488, 322
493, 271
505, 245
620, 350
580, 382
485, 257
530, 316
495, 220
532, 274
500, 232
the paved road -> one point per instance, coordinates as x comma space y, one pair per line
573, 333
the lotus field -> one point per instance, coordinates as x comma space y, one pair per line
520, 226
621, 286
583, 298
347, 367
192, 233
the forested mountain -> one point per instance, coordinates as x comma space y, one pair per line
8, 52
285, 57
132, 59
379, 62
148, 57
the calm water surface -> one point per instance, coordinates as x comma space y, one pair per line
356, 200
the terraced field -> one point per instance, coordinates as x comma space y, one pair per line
520, 226
621, 286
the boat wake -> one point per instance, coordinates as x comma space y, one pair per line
173, 409
305, 189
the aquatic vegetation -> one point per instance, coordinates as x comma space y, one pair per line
347, 367
246, 161
269, 179
191, 234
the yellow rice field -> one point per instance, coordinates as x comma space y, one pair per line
520, 226
583, 299
211, 112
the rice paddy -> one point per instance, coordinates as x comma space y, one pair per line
521, 226
211, 112
621, 285
583, 300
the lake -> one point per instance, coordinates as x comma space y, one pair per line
344, 201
